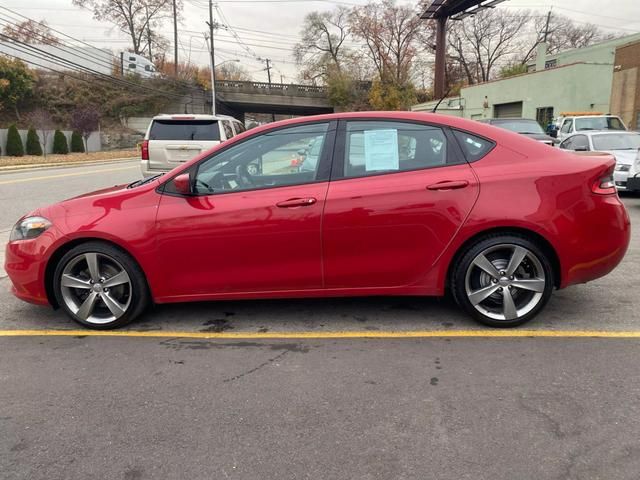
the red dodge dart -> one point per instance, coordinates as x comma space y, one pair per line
381, 203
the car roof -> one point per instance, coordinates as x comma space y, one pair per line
603, 132
191, 116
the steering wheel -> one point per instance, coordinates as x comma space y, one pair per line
243, 177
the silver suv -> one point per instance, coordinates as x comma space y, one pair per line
173, 139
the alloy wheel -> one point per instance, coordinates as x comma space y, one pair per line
505, 282
96, 288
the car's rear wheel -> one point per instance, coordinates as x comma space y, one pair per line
100, 286
503, 280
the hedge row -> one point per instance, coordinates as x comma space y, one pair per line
15, 148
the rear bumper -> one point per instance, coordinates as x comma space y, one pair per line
150, 172
598, 241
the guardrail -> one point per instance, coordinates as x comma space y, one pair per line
271, 88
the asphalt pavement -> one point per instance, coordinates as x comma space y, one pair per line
300, 389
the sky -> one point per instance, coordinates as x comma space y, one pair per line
270, 28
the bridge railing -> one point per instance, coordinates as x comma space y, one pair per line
270, 88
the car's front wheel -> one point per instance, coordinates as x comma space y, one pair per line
503, 280
100, 286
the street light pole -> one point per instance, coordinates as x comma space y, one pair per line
212, 27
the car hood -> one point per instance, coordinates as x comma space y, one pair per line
623, 157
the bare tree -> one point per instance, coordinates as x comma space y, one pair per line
140, 19
43, 123
322, 43
562, 34
480, 42
391, 33
32, 32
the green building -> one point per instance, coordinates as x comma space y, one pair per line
578, 80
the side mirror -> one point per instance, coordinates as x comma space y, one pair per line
182, 184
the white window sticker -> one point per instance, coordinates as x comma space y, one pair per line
381, 150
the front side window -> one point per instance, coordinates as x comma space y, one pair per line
580, 142
228, 131
374, 147
239, 127
566, 126
567, 144
273, 159
204, 130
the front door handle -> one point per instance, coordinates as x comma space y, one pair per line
449, 185
297, 202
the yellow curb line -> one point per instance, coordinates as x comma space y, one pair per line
324, 335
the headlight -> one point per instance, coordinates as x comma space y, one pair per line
30, 227
623, 168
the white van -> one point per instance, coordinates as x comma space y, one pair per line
173, 139
137, 64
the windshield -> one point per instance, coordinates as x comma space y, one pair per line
520, 126
599, 123
616, 142
206, 130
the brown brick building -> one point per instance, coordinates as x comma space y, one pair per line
625, 89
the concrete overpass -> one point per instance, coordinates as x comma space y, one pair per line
237, 98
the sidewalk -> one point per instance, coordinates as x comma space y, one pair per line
8, 164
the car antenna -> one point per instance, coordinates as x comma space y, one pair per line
440, 101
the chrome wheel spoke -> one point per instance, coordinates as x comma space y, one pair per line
517, 257
86, 309
508, 306
112, 304
92, 264
75, 282
479, 295
483, 263
533, 284
117, 279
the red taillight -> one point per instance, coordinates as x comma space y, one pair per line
144, 150
605, 184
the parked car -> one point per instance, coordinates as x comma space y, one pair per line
174, 139
424, 204
581, 123
624, 146
524, 126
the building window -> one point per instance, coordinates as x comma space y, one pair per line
550, 63
544, 115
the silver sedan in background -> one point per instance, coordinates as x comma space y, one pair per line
624, 146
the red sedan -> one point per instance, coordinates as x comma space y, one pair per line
394, 203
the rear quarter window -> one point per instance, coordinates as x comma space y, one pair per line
473, 147
184, 130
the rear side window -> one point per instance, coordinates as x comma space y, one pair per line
204, 130
374, 147
240, 128
473, 147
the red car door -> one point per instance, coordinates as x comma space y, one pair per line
399, 192
254, 221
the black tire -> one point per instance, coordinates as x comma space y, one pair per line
461, 277
137, 291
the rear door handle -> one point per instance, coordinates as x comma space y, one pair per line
297, 202
449, 185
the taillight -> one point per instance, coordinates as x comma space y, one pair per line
605, 184
144, 150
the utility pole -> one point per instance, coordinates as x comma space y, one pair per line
212, 27
148, 33
273, 115
175, 39
546, 28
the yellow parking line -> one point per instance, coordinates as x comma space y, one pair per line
62, 175
321, 335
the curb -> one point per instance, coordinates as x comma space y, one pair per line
13, 168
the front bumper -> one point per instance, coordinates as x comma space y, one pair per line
26, 263
633, 183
